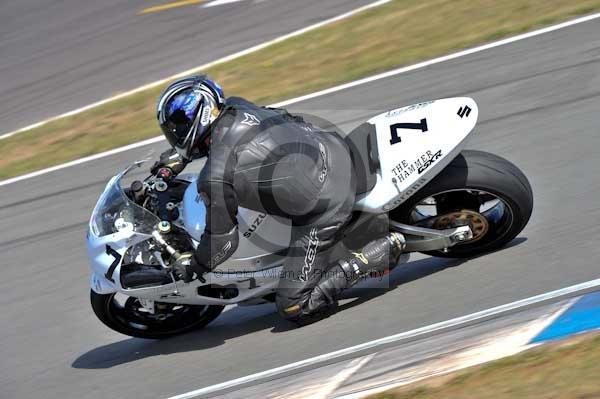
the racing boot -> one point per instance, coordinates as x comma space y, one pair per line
377, 256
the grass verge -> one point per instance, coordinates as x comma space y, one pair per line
564, 370
399, 33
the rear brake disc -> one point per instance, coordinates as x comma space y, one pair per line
465, 217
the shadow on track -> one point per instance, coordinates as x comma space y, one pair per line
236, 322
241, 321
409, 272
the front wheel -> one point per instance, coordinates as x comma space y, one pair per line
126, 315
478, 189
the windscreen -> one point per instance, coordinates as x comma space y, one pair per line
114, 212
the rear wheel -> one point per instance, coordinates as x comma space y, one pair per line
478, 189
126, 315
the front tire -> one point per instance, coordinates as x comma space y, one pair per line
458, 195
127, 316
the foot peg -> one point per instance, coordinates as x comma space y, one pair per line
398, 241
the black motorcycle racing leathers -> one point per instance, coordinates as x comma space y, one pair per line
271, 161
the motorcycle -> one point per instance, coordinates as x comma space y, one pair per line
413, 177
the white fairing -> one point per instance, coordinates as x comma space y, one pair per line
260, 234
101, 259
427, 137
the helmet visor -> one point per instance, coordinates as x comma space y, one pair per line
180, 113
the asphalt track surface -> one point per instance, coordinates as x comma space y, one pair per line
539, 101
58, 56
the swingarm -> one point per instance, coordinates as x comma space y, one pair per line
419, 239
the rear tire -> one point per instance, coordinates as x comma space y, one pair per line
130, 319
469, 173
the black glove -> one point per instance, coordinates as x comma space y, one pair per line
171, 160
187, 268
215, 249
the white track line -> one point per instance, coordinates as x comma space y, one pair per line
302, 98
82, 160
337, 380
381, 343
442, 59
202, 67
220, 3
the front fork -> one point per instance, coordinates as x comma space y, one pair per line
419, 239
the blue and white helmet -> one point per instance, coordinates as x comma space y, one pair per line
185, 112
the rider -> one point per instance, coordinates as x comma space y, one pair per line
268, 160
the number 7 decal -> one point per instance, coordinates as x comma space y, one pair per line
422, 126
113, 266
